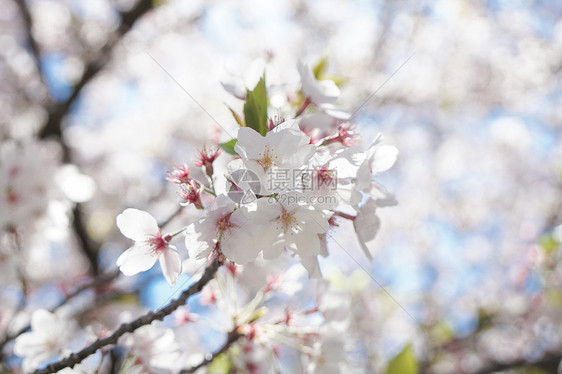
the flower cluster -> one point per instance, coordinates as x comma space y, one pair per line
286, 182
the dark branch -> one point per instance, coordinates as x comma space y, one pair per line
146, 319
98, 282
30, 40
58, 111
549, 363
88, 246
232, 337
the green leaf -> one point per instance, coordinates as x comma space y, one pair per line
237, 117
320, 68
255, 108
404, 363
228, 146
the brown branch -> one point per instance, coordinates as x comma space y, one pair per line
58, 111
549, 363
232, 337
146, 319
100, 281
89, 247
30, 40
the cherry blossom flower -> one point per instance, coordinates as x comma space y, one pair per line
154, 347
285, 145
206, 158
378, 158
180, 175
317, 91
191, 193
223, 229
285, 148
149, 246
49, 336
292, 225
367, 225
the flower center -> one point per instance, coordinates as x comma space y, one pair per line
157, 243
223, 224
325, 175
266, 159
287, 221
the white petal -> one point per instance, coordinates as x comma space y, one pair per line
367, 225
240, 217
383, 159
323, 245
319, 92
301, 156
250, 142
312, 220
326, 91
27, 344
42, 318
170, 262
267, 209
267, 235
274, 250
196, 244
239, 247
310, 263
136, 259
137, 224
237, 90
307, 243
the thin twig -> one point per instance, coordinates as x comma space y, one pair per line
89, 247
549, 363
174, 214
30, 39
146, 319
100, 281
232, 337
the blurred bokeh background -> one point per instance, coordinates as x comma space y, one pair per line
468, 91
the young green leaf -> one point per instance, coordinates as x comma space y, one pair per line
237, 117
255, 108
228, 146
404, 363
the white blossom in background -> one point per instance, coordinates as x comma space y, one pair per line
50, 335
319, 92
367, 225
153, 349
31, 178
150, 246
